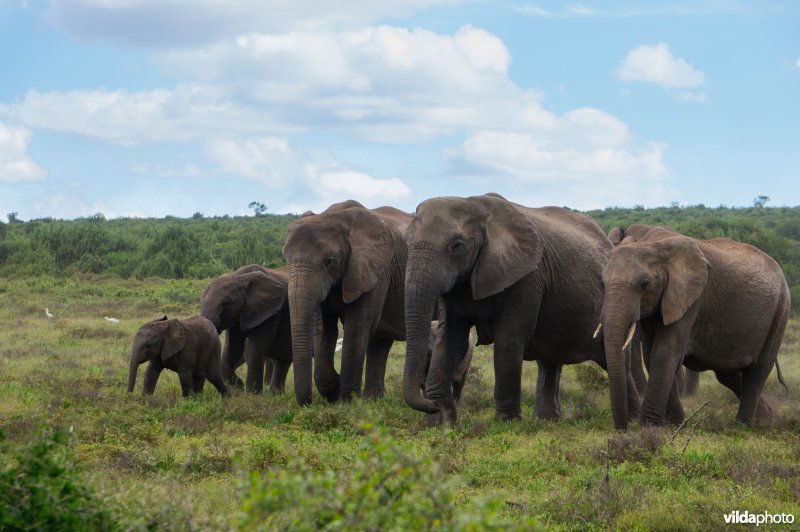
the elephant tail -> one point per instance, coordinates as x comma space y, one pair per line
780, 376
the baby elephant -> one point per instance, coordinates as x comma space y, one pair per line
459, 377
189, 347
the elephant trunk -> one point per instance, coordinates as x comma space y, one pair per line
137, 357
421, 293
618, 326
302, 311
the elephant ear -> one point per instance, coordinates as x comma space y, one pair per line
616, 235
687, 274
371, 251
511, 250
174, 339
264, 296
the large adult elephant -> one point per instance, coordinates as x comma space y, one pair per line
251, 304
714, 304
528, 279
346, 263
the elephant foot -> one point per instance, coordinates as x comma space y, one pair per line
508, 416
647, 421
433, 420
236, 382
373, 393
330, 394
548, 414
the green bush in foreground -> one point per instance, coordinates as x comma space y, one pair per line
41, 490
385, 487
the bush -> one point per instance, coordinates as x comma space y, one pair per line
385, 487
40, 488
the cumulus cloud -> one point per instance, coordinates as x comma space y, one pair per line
15, 163
656, 64
273, 162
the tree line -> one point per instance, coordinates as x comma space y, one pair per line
202, 247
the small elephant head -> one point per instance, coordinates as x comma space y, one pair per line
243, 300
160, 339
662, 278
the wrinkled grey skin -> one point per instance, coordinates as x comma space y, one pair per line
460, 374
529, 281
251, 305
346, 264
712, 304
190, 347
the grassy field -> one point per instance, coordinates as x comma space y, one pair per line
168, 463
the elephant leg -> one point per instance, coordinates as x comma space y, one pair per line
508, 379
219, 383
325, 376
752, 406
187, 381
277, 381
198, 382
232, 357
446, 357
460, 377
377, 354
674, 413
668, 348
691, 382
151, 377
269, 369
548, 398
354, 347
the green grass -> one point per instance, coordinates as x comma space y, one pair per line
170, 463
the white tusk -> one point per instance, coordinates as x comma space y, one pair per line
630, 337
597, 331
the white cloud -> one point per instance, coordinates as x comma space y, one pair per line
656, 64
323, 180
15, 163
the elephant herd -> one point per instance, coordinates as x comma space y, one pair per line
543, 284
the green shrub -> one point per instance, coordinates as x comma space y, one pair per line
385, 487
41, 489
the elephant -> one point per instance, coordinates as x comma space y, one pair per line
715, 304
189, 347
251, 304
528, 279
460, 374
688, 380
346, 263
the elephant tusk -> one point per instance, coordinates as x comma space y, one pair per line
630, 337
597, 331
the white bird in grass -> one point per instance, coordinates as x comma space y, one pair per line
111, 320
47, 313
339, 342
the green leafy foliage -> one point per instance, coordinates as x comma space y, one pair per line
40, 488
384, 487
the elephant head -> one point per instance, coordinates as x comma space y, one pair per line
484, 244
344, 249
242, 300
658, 279
161, 338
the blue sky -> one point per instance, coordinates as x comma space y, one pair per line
171, 107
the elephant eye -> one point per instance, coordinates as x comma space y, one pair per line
645, 283
329, 262
457, 245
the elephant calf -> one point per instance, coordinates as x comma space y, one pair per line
460, 374
190, 347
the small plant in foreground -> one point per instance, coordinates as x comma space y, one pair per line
385, 487
40, 488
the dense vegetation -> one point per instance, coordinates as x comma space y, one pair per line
79, 453
199, 247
